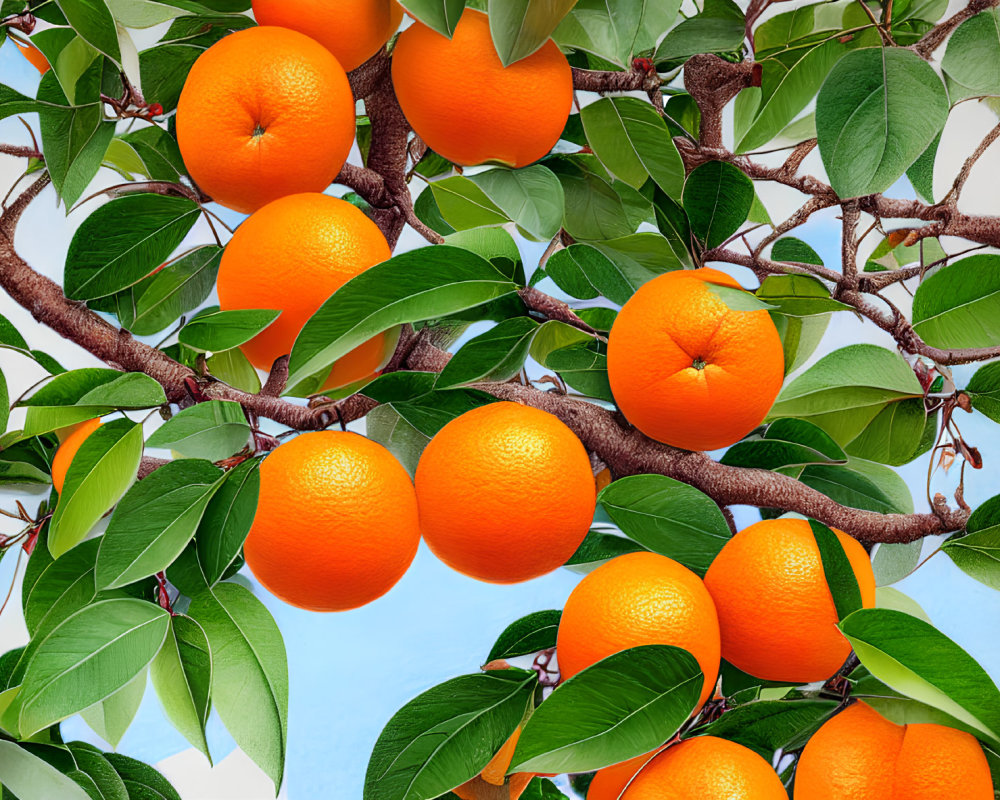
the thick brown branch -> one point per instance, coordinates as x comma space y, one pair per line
713, 82
591, 80
936, 36
551, 308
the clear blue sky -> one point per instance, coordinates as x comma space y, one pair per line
350, 672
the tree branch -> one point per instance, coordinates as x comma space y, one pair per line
935, 37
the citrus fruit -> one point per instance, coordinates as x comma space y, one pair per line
610, 782
687, 370
33, 55
639, 599
468, 107
264, 113
291, 256
64, 455
860, 755
337, 523
706, 768
506, 493
776, 612
353, 30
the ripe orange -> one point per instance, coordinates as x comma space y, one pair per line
68, 448
337, 523
610, 782
506, 493
496, 771
776, 612
292, 255
860, 755
265, 112
353, 30
34, 56
707, 768
687, 370
471, 109
639, 599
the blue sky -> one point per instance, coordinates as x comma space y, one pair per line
350, 672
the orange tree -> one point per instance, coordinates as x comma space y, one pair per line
596, 128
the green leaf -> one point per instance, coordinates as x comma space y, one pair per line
92, 763
124, 241
633, 142
496, 355
74, 137
232, 367
598, 547
227, 519
738, 299
921, 172
784, 443
719, 28
717, 199
164, 69
583, 366
111, 718
788, 248
615, 31
860, 484
531, 196
846, 389
644, 695
88, 657
594, 209
69, 55
893, 562
28, 777
158, 151
157, 301
182, 676
520, 27
959, 305
422, 284
463, 205
667, 517
589, 270
529, 634
914, 658
250, 673
895, 435
100, 473
838, 571
441, 15
972, 58
12, 102
142, 781
446, 736
93, 21
223, 330
868, 132
213, 431
798, 295
63, 587
769, 725
154, 521
984, 390
386, 426
978, 552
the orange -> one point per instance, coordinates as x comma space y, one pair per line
506, 493
33, 54
468, 107
292, 255
860, 755
353, 30
610, 782
337, 523
687, 370
707, 768
639, 599
265, 112
68, 448
496, 771
776, 612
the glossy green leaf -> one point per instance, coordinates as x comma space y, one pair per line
959, 305
598, 547
615, 31
972, 57
984, 390
633, 142
921, 172
496, 355
893, 562
250, 673
182, 676
865, 122
421, 284
837, 570
717, 199
64, 586
213, 431
113, 716
769, 725
594, 209
154, 521
227, 519
88, 657
158, 151
894, 436
235, 369
914, 658
531, 196
800, 336
798, 295
978, 552
621, 707
529, 634
785, 442
520, 27
224, 330
142, 781
68, 54
100, 473
91, 762
31, 778
667, 517
441, 15
164, 69
124, 241
719, 28
860, 484
464, 205
93, 21
157, 301
446, 736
